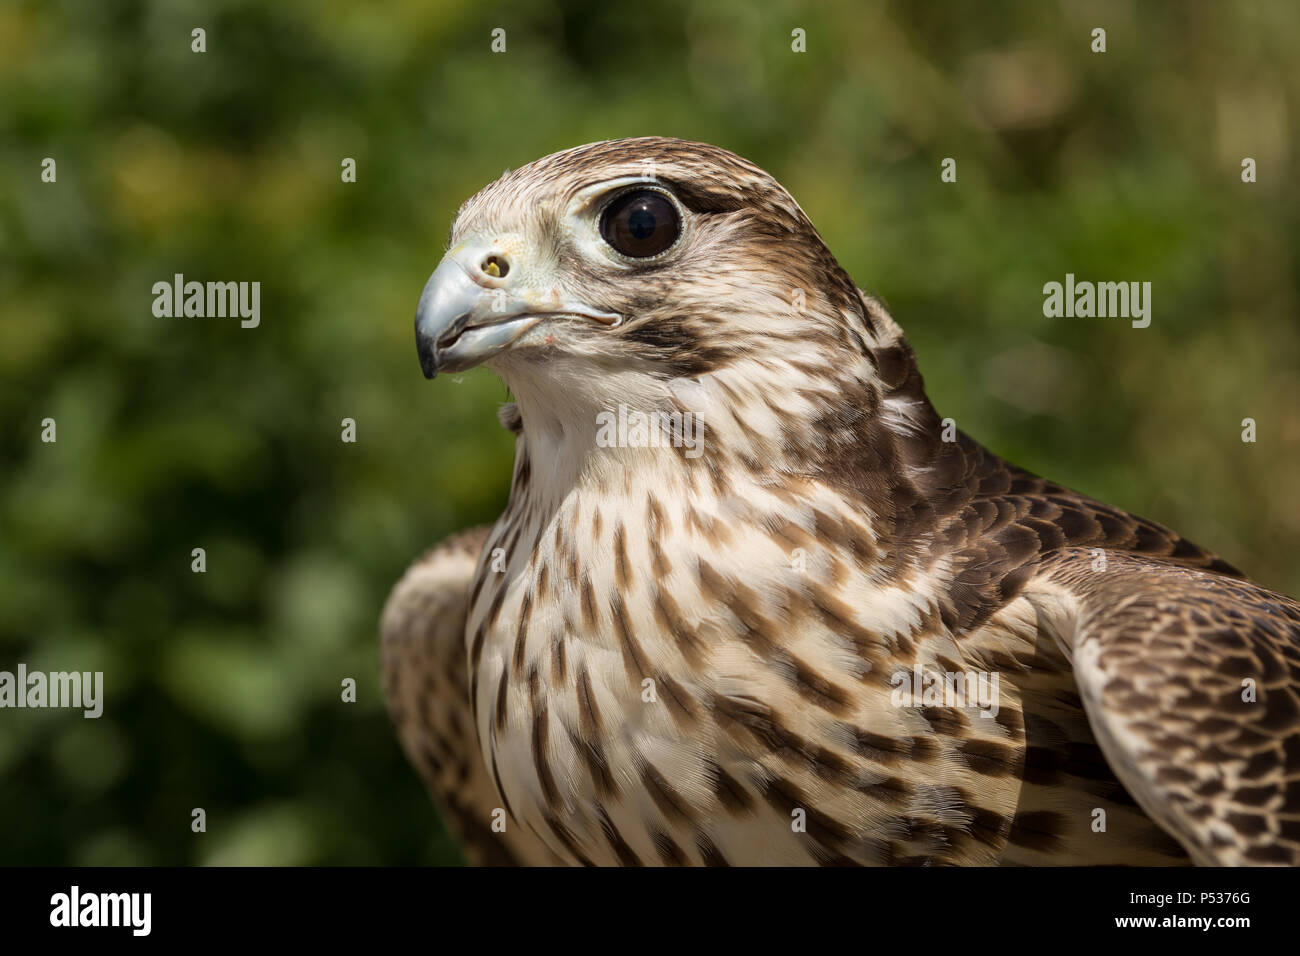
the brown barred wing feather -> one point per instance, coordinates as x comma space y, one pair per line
1191, 682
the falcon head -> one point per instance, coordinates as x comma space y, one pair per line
663, 274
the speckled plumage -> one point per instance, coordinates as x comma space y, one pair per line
666, 659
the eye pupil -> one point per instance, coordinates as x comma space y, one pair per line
641, 224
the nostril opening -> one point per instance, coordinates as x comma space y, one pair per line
495, 266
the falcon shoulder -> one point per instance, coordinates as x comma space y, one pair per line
426, 684
1191, 681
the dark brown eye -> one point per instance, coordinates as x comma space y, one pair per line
640, 224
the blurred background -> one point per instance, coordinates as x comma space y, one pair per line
223, 688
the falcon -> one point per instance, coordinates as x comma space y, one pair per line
780, 614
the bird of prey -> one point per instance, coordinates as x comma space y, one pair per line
750, 602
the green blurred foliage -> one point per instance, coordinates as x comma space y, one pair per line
223, 689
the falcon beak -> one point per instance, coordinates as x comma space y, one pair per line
477, 304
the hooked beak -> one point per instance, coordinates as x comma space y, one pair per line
476, 304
